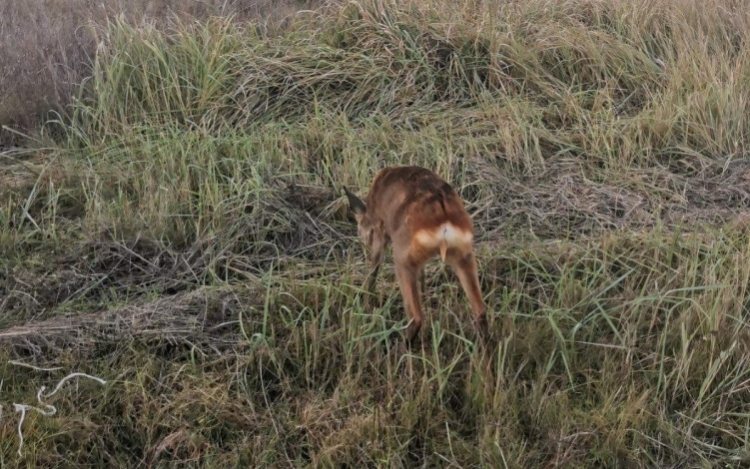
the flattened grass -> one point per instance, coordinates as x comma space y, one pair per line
187, 240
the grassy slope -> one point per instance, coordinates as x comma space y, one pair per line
187, 241
46, 46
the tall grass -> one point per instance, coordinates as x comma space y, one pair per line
47, 46
187, 238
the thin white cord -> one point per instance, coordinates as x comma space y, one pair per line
74, 375
51, 410
33, 367
22, 409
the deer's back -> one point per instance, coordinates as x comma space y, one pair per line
410, 199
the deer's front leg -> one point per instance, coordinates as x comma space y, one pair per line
377, 254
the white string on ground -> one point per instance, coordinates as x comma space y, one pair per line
22, 409
73, 375
33, 367
51, 410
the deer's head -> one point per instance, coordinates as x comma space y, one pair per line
364, 223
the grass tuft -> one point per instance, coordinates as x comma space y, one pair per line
180, 232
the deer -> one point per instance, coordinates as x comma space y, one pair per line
421, 216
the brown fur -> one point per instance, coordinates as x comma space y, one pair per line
422, 216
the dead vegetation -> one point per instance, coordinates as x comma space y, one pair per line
182, 234
197, 317
47, 46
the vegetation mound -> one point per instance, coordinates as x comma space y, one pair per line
179, 230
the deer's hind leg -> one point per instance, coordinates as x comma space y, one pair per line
463, 263
408, 269
408, 283
422, 286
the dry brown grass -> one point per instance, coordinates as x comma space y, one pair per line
46, 46
186, 239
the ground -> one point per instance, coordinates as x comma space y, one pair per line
180, 231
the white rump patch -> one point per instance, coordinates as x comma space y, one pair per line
451, 235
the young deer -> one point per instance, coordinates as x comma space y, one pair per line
422, 216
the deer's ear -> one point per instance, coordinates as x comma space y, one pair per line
355, 203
